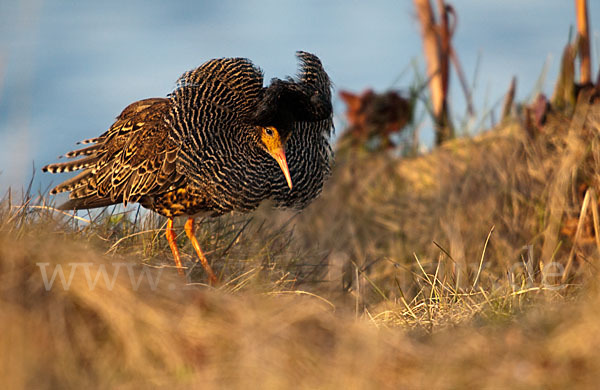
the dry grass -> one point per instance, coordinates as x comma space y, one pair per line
439, 271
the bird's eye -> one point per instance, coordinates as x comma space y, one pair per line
269, 132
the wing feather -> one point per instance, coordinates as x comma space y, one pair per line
134, 158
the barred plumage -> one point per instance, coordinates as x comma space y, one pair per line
220, 142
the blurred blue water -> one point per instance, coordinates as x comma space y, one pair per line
68, 68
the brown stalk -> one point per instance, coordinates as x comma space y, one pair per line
509, 99
436, 47
564, 90
431, 47
444, 40
463, 80
585, 68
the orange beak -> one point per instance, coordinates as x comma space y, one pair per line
279, 156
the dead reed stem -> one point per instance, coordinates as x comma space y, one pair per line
436, 47
585, 67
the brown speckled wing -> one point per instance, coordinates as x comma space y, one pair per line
134, 158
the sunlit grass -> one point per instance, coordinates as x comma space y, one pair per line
442, 270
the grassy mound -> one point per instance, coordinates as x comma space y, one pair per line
472, 266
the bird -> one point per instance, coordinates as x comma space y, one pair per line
220, 142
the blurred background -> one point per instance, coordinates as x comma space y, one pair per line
469, 265
67, 69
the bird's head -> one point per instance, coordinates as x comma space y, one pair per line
273, 142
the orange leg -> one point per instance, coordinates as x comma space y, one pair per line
190, 229
173, 244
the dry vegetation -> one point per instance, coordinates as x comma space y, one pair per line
444, 271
